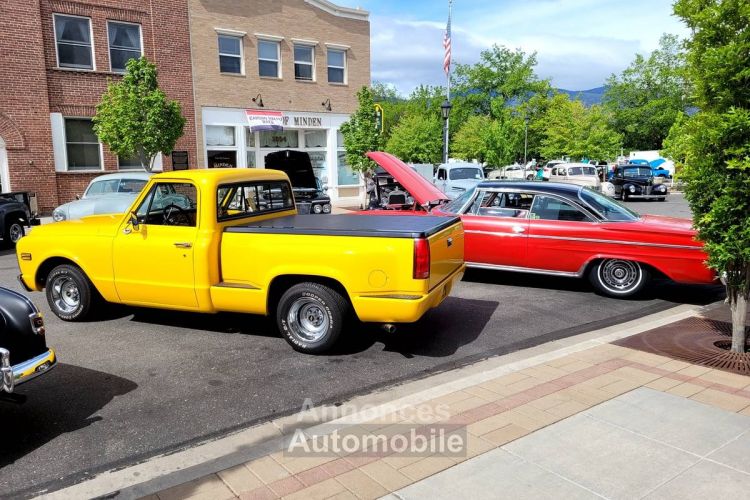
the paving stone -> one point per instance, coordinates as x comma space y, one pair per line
207, 488
386, 475
722, 399
725, 378
705, 480
662, 384
240, 479
686, 389
320, 491
362, 485
673, 420
426, 467
497, 474
267, 469
286, 486
601, 457
506, 434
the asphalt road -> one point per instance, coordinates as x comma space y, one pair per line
141, 382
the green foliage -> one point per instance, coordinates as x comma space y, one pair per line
471, 141
361, 134
647, 97
417, 139
492, 140
714, 144
573, 130
135, 118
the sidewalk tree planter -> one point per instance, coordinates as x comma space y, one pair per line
715, 143
135, 119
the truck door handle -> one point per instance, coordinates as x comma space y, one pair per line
183, 245
519, 229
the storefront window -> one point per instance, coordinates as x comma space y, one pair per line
279, 139
316, 138
347, 177
219, 135
251, 158
222, 159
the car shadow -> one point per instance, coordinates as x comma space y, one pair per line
66, 400
246, 324
440, 333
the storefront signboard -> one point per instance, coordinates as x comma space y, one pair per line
264, 120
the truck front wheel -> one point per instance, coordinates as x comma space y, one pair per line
311, 317
69, 292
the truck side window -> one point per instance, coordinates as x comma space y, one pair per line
441, 174
249, 198
169, 204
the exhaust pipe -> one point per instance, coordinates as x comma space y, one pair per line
388, 328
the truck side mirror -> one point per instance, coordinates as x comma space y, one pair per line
134, 221
78, 197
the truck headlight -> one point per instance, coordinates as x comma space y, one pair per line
58, 215
327, 208
318, 209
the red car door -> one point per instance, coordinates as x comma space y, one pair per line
562, 238
496, 229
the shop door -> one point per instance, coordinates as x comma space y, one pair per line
222, 159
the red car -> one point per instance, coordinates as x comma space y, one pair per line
562, 230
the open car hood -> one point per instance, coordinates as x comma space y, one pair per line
422, 190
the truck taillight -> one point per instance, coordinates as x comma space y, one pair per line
421, 259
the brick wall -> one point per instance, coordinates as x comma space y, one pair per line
285, 18
31, 85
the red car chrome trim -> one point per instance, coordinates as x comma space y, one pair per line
615, 242
530, 270
492, 233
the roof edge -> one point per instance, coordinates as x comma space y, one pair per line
340, 11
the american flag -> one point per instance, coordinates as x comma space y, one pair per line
447, 46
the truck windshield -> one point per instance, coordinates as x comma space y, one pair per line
637, 172
465, 173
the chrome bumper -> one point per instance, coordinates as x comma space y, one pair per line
23, 372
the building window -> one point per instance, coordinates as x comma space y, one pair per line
336, 66
347, 176
230, 54
132, 163
250, 148
268, 58
124, 44
73, 40
303, 63
219, 135
279, 139
82, 145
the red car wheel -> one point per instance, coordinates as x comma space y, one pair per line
619, 278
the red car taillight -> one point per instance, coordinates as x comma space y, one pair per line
421, 259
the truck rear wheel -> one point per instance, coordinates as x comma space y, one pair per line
69, 292
311, 317
13, 232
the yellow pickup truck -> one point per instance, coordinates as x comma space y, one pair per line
230, 240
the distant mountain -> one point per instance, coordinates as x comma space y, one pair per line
588, 97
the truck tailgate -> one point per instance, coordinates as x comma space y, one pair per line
446, 252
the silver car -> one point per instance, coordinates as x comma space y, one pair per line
106, 194
454, 179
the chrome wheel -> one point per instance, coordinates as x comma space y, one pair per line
15, 232
620, 276
308, 319
65, 294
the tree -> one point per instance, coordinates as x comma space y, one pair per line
417, 139
135, 119
471, 140
715, 143
646, 98
361, 134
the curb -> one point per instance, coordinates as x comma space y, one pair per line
165, 471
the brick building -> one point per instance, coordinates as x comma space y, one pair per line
298, 61
56, 57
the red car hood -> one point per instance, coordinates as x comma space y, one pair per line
665, 229
422, 190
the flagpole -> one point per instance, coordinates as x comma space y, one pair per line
446, 130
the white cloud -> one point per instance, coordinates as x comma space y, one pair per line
579, 43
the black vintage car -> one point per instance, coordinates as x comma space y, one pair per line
309, 194
15, 214
23, 348
637, 181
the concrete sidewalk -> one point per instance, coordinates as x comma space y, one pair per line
576, 418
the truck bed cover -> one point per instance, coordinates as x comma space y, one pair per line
383, 226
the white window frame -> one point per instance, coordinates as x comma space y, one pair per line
109, 42
344, 67
277, 41
65, 144
91, 37
240, 38
311, 46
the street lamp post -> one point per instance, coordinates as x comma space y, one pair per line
525, 140
445, 108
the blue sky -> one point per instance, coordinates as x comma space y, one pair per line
579, 43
